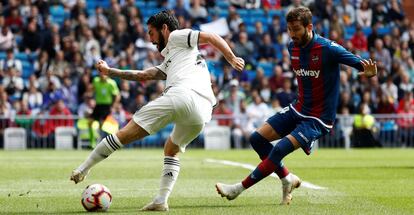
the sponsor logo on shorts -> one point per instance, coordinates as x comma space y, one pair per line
303, 137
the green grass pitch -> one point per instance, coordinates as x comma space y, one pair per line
377, 181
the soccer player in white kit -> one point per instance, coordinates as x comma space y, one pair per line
187, 100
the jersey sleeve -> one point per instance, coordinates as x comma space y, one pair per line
185, 38
343, 56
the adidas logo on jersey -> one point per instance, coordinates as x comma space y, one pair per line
311, 73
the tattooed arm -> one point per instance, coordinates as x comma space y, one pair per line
133, 75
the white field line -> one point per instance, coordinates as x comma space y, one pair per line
251, 167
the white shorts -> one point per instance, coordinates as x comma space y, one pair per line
184, 107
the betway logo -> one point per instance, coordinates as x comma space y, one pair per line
312, 73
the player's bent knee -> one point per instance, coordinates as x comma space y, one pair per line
256, 139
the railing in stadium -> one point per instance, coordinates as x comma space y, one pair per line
386, 131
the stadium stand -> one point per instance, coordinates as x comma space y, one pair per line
45, 28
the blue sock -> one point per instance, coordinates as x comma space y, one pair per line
263, 147
269, 165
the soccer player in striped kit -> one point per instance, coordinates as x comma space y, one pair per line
315, 61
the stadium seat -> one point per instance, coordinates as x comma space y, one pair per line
267, 67
223, 5
384, 30
27, 69
15, 138
21, 56
217, 137
64, 137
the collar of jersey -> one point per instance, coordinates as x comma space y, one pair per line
315, 36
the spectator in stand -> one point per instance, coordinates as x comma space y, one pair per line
46, 79
233, 20
346, 13
13, 84
379, 15
405, 123
120, 115
364, 14
6, 38
78, 8
359, 40
345, 102
390, 89
382, 55
14, 21
33, 98
267, 52
32, 39
126, 93
198, 12
11, 62
51, 95
286, 95
257, 36
180, 10
98, 19
234, 96
276, 80
408, 99
138, 102
257, 82
69, 92
275, 29
395, 12
405, 85
257, 110
386, 105
23, 110
242, 127
58, 65
86, 108
223, 114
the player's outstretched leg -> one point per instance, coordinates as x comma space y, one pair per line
106, 147
265, 168
263, 147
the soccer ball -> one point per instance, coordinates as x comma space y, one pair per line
96, 197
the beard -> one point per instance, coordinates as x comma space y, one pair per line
303, 40
161, 42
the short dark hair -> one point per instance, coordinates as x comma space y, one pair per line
164, 17
302, 14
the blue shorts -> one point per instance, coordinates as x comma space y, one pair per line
305, 129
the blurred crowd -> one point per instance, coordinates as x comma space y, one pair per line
60, 55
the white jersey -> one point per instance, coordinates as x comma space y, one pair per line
184, 65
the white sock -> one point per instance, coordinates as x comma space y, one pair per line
107, 145
169, 176
239, 187
287, 179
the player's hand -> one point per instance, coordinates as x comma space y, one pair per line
102, 67
370, 68
237, 63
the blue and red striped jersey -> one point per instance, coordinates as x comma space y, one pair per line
317, 70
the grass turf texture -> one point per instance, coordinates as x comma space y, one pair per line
379, 181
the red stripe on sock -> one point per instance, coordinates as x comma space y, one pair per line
266, 167
282, 172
